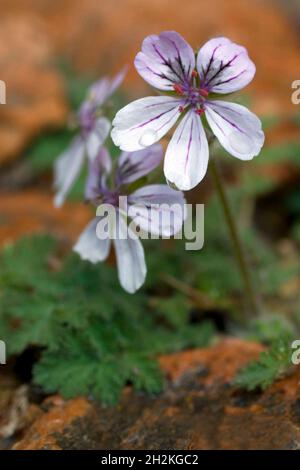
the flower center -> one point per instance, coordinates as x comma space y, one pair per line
193, 94
86, 118
111, 197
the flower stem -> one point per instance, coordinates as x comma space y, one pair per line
252, 300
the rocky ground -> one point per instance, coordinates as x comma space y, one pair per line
199, 409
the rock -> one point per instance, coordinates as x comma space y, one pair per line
33, 211
199, 409
63, 414
16, 412
35, 97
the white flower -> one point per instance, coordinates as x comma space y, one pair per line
168, 63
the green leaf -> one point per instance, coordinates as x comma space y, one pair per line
271, 365
45, 150
94, 337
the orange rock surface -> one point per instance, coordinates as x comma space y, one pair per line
199, 409
33, 212
35, 97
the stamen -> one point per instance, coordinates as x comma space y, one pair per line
199, 111
203, 92
181, 109
194, 73
178, 88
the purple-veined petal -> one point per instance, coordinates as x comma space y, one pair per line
238, 130
98, 91
86, 116
101, 90
117, 80
224, 66
145, 121
89, 246
157, 209
97, 136
66, 169
187, 153
134, 165
130, 257
165, 59
99, 169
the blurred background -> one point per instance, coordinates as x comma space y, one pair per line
45, 45
50, 51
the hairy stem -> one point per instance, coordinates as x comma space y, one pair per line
253, 306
